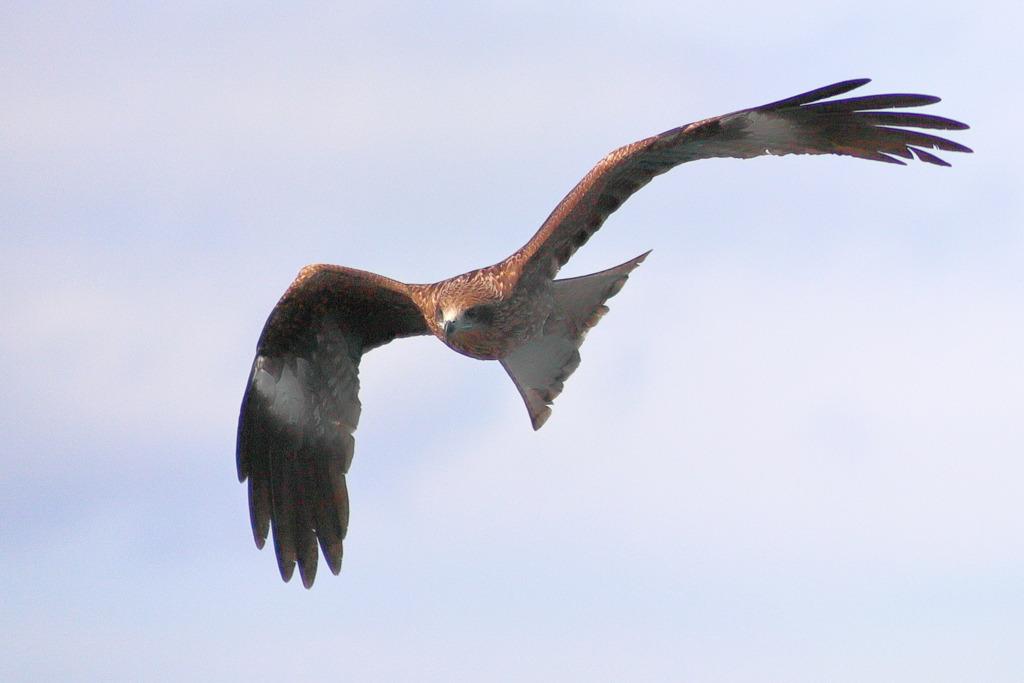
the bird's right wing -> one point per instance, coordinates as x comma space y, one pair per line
797, 125
301, 407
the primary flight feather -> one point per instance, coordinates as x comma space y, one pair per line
301, 405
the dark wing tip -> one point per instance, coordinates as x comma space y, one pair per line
910, 120
868, 102
819, 93
332, 553
929, 158
287, 568
855, 127
308, 574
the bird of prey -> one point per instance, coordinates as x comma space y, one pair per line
301, 404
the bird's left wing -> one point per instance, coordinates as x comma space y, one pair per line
797, 125
301, 407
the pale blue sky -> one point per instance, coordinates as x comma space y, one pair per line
794, 450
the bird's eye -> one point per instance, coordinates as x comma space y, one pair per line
479, 314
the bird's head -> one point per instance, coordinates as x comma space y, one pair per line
472, 314
469, 326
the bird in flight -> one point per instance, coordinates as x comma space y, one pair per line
301, 405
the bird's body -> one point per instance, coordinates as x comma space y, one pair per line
301, 406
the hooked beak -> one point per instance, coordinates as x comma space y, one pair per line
449, 327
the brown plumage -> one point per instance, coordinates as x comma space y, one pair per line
301, 405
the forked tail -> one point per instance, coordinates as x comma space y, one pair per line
541, 367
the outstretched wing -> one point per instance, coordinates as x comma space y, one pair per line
301, 407
798, 125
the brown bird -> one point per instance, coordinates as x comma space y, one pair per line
301, 405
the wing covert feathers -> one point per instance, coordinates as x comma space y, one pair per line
540, 368
301, 407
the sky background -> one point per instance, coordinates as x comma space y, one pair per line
794, 450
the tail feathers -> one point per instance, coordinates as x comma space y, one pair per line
581, 299
540, 368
